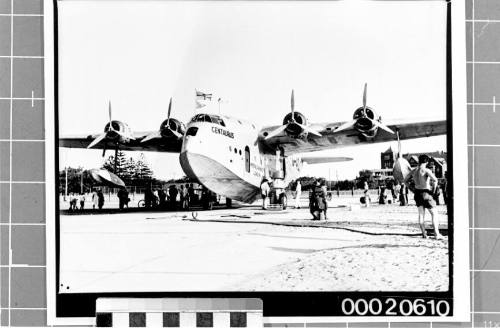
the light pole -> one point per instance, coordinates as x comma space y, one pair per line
65, 182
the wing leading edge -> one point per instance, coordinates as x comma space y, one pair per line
166, 145
330, 139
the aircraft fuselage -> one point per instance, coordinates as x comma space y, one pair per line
226, 157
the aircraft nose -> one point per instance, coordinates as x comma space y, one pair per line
191, 142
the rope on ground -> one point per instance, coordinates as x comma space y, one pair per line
288, 224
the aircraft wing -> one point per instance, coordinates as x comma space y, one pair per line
330, 139
167, 145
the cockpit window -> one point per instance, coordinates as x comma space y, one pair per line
208, 118
192, 131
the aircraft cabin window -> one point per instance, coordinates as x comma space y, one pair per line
235, 151
247, 159
192, 131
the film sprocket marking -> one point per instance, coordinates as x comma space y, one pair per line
385, 269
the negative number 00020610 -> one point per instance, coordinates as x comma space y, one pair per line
393, 307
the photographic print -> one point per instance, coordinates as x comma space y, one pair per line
263, 148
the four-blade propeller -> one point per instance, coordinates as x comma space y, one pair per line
351, 124
292, 122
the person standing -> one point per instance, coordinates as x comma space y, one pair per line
423, 195
185, 196
382, 196
181, 196
397, 189
325, 194
298, 193
126, 199
393, 192
72, 202
95, 200
173, 196
100, 199
82, 201
121, 198
156, 198
366, 193
403, 194
317, 201
264, 192
162, 195
192, 194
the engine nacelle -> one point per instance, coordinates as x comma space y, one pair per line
121, 127
364, 123
173, 125
293, 129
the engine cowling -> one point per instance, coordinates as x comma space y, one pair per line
364, 121
116, 126
170, 125
293, 129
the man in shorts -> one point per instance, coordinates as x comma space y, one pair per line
423, 194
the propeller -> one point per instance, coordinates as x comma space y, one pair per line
157, 134
364, 100
382, 126
292, 120
346, 125
350, 124
103, 135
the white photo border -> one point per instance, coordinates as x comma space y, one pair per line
461, 277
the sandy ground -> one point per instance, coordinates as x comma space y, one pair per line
382, 263
369, 249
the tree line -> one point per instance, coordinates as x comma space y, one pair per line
132, 172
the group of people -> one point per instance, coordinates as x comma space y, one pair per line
79, 199
426, 189
318, 205
173, 197
421, 181
398, 193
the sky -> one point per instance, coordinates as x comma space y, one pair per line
138, 54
